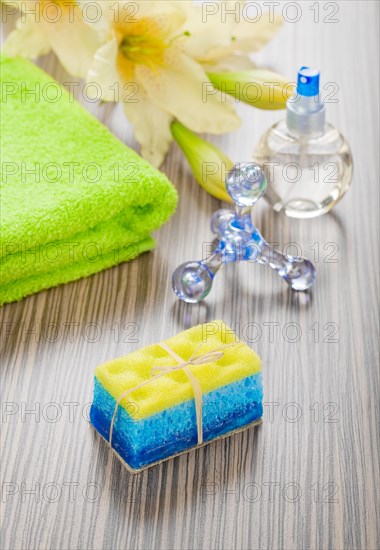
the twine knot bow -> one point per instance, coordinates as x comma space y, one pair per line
182, 364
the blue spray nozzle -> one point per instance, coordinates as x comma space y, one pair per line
305, 111
308, 82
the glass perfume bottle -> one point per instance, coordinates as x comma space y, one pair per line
307, 162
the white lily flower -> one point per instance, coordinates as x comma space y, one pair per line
149, 51
151, 55
56, 25
164, 49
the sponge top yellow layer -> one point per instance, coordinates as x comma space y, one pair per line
120, 375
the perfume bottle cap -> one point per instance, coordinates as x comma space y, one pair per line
305, 111
308, 82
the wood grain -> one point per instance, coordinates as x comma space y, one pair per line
309, 476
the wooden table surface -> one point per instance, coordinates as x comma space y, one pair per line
309, 476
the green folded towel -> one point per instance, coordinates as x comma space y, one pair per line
75, 200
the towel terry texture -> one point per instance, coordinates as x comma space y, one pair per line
74, 199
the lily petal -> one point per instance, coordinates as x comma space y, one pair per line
73, 41
109, 12
170, 15
180, 88
22, 4
205, 30
210, 39
151, 126
103, 71
27, 40
247, 37
121, 14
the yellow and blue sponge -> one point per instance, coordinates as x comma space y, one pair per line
158, 419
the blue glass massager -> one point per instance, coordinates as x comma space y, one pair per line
237, 239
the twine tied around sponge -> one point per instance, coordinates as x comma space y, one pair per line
184, 365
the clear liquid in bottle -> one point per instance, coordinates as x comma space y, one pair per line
307, 162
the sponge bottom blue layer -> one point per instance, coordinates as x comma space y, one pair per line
142, 442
